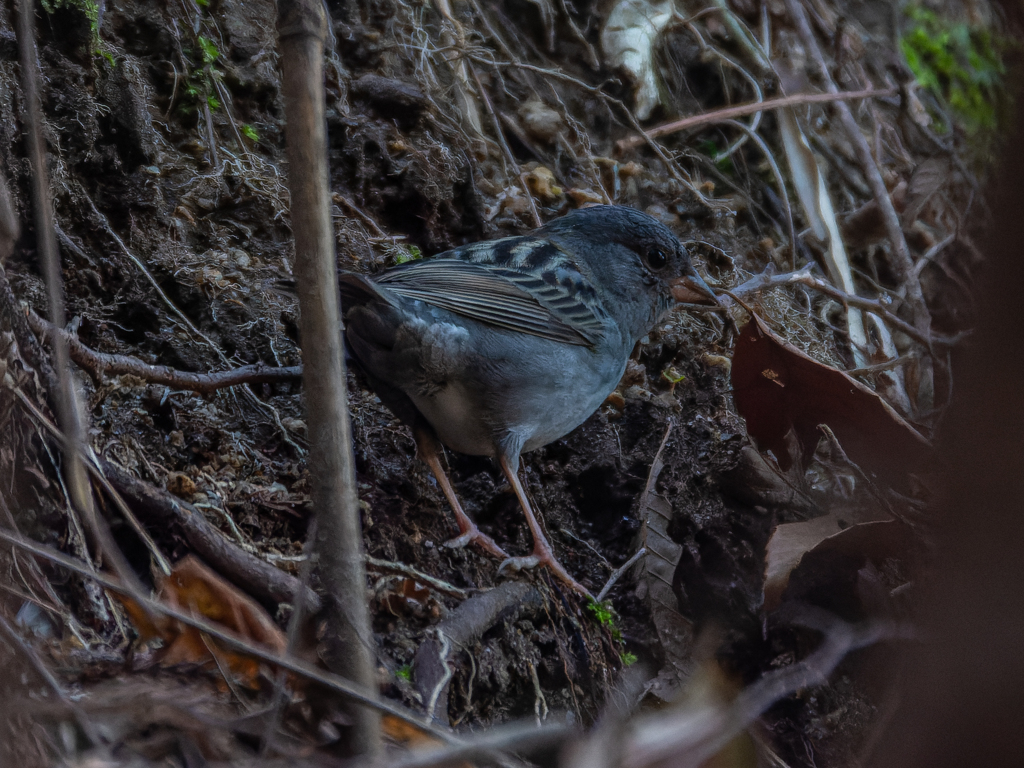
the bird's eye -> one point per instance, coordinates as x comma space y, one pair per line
657, 258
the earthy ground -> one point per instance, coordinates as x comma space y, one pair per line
165, 133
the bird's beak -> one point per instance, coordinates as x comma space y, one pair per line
691, 289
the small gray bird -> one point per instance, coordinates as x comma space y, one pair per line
500, 347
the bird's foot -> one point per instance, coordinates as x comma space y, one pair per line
473, 535
544, 556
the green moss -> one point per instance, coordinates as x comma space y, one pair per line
404, 672
410, 253
628, 659
963, 66
87, 7
91, 10
250, 133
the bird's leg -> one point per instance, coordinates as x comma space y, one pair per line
429, 450
542, 554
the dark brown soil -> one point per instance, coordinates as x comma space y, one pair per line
168, 180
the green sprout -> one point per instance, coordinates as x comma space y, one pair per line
404, 672
201, 82
672, 376
710, 148
628, 659
209, 48
250, 133
605, 615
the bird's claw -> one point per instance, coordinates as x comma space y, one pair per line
476, 536
516, 564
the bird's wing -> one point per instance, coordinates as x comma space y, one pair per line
523, 284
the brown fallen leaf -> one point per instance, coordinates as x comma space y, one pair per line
791, 543
407, 736
779, 390
194, 588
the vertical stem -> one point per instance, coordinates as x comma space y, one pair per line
302, 30
65, 398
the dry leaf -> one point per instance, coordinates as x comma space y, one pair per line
195, 589
657, 570
779, 390
541, 182
792, 542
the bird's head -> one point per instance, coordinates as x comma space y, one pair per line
627, 251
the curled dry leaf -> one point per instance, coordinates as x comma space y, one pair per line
782, 392
193, 588
655, 576
791, 543
628, 41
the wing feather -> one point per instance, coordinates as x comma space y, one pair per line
497, 295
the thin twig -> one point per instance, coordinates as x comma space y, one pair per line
69, 411
770, 279
932, 252
741, 110
390, 566
685, 736
99, 364
803, 276
517, 737
888, 365
617, 574
878, 308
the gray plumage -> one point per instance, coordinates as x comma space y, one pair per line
511, 344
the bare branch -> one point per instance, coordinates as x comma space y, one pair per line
99, 364
742, 110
